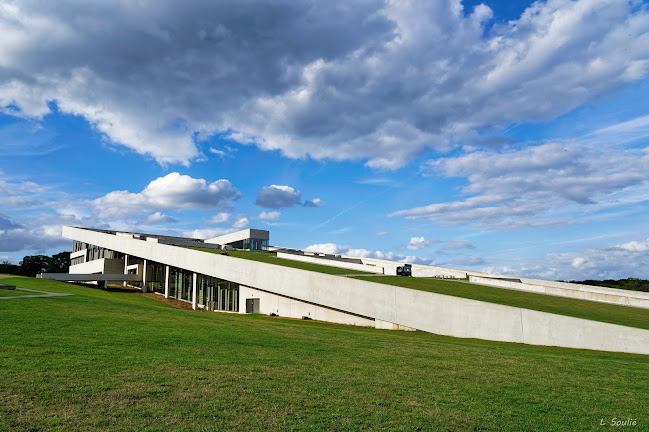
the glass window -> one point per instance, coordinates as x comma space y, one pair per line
155, 277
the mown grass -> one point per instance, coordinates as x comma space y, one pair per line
102, 360
15, 292
623, 315
271, 258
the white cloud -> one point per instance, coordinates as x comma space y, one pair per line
333, 248
277, 196
635, 246
316, 202
272, 215
171, 192
157, 218
328, 248
206, 233
417, 243
227, 151
382, 81
241, 223
381, 233
534, 186
219, 218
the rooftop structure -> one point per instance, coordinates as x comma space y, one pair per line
174, 267
252, 239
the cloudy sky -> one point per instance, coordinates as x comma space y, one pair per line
502, 136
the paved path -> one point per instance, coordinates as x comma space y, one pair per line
41, 294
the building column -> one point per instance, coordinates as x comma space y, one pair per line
144, 277
167, 282
194, 301
125, 267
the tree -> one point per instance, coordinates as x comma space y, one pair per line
32, 265
7, 268
59, 263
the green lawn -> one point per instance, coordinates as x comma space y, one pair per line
271, 258
16, 292
101, 360
623, 315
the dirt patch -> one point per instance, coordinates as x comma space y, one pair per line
178, 304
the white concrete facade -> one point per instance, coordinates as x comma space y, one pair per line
101, 265
388, 306
292, 308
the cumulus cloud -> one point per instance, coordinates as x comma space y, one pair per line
219, 218
316, 202
328, 248
171, 192
157, 218
272, 215
276, 197
240, 223
527, 187
417, 243
381, 81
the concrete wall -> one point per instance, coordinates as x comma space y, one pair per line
332, 263
79, 253
291, 308
562, 289
431, 312
102, 265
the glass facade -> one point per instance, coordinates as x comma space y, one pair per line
180, 283
95, 252
155, 277
134, 260
211, 293
217, 294
255, 244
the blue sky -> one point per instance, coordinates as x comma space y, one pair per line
501, 136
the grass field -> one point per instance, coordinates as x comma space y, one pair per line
101, 360
271, 258
623, 315
16, 292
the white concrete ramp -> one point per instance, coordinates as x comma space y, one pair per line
69, 277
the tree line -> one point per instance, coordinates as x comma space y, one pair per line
32, 265
634, 284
